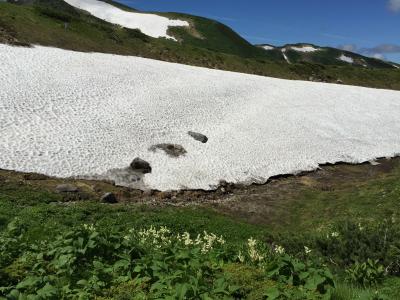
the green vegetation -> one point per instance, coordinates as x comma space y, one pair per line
337, 240
341, 242
206, 43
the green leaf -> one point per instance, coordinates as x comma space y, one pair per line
82, 282
28, 282
272, 293
47, 291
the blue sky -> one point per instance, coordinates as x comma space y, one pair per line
371, 27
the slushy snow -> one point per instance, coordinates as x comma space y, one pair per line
347, 59
149, 24
68, 113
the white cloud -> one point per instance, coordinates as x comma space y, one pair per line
348, 47
394, 5
378, 56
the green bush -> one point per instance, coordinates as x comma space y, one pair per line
154, 262
368, 273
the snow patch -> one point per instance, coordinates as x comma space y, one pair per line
347, 59
305, 49
66, 113
267, 47
149, 24
285, 56
396, 66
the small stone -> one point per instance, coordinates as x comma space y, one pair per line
66, 188
109, 198
198, 137
141, 166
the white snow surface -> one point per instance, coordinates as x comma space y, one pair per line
347, 59
66, 113
305, 49
268, 47
149, 24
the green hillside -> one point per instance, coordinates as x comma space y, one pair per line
206, 43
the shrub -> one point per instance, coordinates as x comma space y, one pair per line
367, 273
155, 263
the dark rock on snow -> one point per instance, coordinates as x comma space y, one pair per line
141, 166
198, 137
172, 150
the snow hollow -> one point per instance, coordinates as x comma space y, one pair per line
66, 113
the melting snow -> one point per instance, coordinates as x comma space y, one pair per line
68, 113
305, 49
149, 24
347, 59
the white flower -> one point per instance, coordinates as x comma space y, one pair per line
89, 227
279, 249
307, 250
186, 239
241, 257
335, 234
255, 256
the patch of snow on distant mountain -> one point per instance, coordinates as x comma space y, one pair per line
347, 59
305, 49
268, 47
149, 24
285, 56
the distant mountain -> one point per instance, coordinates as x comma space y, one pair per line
204, 42
295, 53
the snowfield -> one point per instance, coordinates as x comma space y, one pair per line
268, 47
347, 59
149, 24
66, 113
305, 49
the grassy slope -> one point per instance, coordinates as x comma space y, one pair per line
86, 33
297, 222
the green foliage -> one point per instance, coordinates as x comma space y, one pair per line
53, 13
367, 273
351, 243
313, 281
156, 263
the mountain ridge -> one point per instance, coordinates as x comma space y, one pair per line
206, 43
